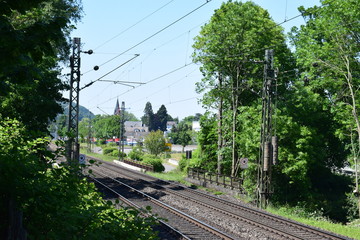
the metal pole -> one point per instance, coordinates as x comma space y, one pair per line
73, 143
121, 122
122, 128
265, 160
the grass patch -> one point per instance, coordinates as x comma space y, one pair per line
345, 230
97, 155
177, 156
175, 175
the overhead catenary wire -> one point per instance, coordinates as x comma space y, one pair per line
156, 33
184, 65
158, 91
286, 20
153, 50
152, 80
141, 20
92, 82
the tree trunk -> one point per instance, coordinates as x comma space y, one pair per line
235, 104
220, 136
16, 229
348, 77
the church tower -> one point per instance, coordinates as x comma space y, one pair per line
117, 108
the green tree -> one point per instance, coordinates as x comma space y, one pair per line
229, 47
190, 119
54, 203
106, 126
162, 118
181, 134
84, 129
34, 39
207, 140
148, 116
155, 142
327, 50
128, 116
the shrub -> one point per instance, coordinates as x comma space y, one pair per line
109, 150
195, 161
115, 153
136, 153
183, 163
155, 162
111, 144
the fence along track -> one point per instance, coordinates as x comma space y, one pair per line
185, 222
271, 223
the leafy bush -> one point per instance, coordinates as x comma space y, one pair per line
155, 162
115, 153
29, 182
109, 150
136, 153
184, 163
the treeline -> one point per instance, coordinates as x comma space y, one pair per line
156, 121
315, 108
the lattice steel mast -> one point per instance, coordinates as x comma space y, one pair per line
73, 144
268, 142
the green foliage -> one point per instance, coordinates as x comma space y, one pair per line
84, 129
194, 162
155, 162
136, 153
148, 115
155, 142
190, 119
316, 219
34, 39
109, 150
183, 164
310, 118
207, 140
56, 204
351, 207
181, 134
113, 151
161, 118
106, 126
155, 121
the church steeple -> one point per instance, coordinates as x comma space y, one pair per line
117, 108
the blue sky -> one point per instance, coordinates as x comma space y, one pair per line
112, 27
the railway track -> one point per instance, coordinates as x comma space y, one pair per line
181, 225
274, 227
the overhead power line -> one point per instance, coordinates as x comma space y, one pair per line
156, 33
141, 20
92, 82
152, 80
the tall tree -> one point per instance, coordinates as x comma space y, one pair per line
148, 116
106, 126
327, 49
34, 37
232, 44
162, 118
181, 134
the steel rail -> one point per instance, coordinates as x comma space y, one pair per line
173, 210
134, 205
262, 214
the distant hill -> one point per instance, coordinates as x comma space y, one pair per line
83, 111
